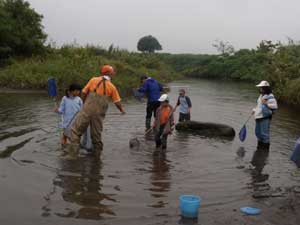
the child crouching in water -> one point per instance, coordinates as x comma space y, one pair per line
70, 105
164, 122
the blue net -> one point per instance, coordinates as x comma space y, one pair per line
243, 133
52, 88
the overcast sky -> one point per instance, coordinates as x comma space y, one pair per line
181, 26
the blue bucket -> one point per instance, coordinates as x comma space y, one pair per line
189, 206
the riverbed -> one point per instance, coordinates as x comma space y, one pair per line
133, 186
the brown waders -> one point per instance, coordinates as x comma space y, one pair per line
92, 113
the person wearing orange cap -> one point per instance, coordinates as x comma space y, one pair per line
96, 95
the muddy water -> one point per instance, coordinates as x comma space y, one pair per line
131, 186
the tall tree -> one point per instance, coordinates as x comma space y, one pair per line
21, 30
149, 44
223, 47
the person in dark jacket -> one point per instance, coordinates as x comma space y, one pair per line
152, 89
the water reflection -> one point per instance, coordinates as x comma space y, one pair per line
259, 161
82, 183
160, 179
186, 221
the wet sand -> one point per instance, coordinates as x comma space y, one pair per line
131, 186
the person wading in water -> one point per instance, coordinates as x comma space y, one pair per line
152, 89
96, 96
266, 105
185, 104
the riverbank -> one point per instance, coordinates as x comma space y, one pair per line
75, 64
21, 91
279, 64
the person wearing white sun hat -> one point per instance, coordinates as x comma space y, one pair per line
263, 112
164, 122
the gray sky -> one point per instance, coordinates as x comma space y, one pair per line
181, 26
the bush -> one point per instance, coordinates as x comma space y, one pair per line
77, 64
21, 30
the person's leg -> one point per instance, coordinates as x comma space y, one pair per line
148, 115
155, 107
164, 141
78, 128
86, 140
258, 130
265, 131
188, 117
158, 134
96, 130
64, 140
181, 117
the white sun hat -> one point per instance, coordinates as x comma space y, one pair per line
164, 98
263, 84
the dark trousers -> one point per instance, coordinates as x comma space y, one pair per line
151, 110
184, 117
160, 138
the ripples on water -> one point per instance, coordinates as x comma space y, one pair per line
128, 184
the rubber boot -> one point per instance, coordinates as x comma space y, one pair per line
73, 151
266, 146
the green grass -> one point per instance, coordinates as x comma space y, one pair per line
70, 64
75, 64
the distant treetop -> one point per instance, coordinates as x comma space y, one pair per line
148, 44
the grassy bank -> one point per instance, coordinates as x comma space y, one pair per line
279, 64
77, 64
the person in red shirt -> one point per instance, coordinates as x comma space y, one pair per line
164, 122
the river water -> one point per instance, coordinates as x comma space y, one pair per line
133, 186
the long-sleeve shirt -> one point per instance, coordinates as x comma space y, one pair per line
271, 105
151, 88
68, 108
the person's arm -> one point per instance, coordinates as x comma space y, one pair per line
117, 99
189, 102
161, 88
120, 107
256, 107
177, 104
61, 107
143, 88
86, 90
83, 96
80, 102
172, 121
272, 103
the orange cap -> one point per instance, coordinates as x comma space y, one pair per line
107, 70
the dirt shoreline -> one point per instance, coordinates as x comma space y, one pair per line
21, 91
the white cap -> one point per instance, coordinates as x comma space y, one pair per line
164, 98
263, 84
